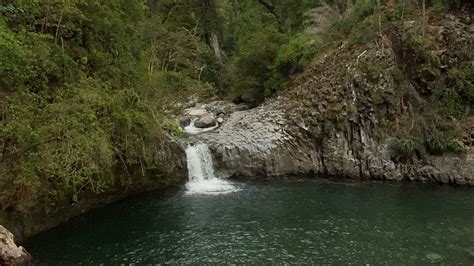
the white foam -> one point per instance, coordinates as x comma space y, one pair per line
192, 130
201, 173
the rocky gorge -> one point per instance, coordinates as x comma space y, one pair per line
333, 121
361, 90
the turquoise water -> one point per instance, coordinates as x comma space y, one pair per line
301, 222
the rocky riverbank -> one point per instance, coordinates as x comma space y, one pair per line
340, 117
268, 142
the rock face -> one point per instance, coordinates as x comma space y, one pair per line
252, 143
205, 121
264, 142
221, 108
330, 122
195, 112
10, 253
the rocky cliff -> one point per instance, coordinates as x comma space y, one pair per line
342, 116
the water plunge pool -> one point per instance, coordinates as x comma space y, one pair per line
302, 221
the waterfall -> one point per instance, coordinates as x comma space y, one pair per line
201, 173
200, 165
192, 130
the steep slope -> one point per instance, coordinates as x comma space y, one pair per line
346, 115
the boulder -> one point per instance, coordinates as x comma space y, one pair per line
184, 121
196, 111
221, 107
205, 121
10, 253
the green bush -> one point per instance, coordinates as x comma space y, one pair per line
13, 59
253, 61
341, 28
452, 104
406, 147
293, 56
439, 6
462, 80
441, 142
381, 97
404, 9
397, 74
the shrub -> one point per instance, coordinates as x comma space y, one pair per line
381, 97
451, 103
439, 6
252, 64
13, 58
343, 26
406, 147
368, 29
462, 79
441, 142
293, 56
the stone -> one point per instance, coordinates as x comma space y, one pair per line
220, 120
184, 121
221, 107
205, 121
195, 111
10, 253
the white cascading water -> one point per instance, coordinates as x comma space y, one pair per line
192, 130
201, 173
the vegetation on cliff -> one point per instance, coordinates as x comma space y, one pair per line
415, 59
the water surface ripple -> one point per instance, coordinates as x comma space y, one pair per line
301, 222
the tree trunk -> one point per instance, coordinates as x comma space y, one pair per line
423, 25
211, 28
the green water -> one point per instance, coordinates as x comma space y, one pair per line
301, 222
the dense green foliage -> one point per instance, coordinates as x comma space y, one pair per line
83, 88
266, 44
85, 85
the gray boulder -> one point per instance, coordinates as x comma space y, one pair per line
10, 253
184, 121
205, 121
221, 107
